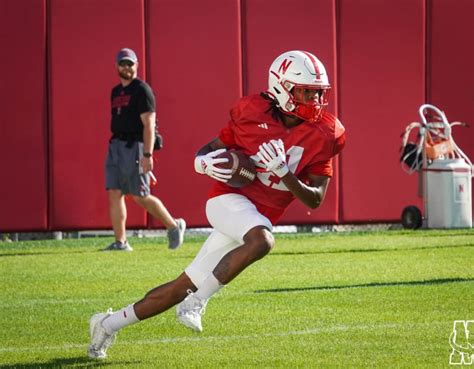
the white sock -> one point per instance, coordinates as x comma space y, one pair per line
120, 319
209, 287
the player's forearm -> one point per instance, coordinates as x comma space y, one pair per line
214, 145
310, 196
148, 120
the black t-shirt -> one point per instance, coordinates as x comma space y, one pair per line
127, 105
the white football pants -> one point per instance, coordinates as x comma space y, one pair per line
231, 216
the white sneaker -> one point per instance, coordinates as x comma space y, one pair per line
190, 310
100, 339
118, 246
176, 235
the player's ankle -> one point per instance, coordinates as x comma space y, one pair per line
209, 287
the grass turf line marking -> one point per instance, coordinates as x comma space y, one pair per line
178, 340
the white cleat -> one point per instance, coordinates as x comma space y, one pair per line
190, 310
100, 339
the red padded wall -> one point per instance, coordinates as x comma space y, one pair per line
201, 57
23, 152
85, 36
271, 28
195, 70
381, 65
451, 62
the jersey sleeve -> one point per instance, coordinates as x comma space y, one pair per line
227, 134
146, 101
325, 167
321, 168
340, 137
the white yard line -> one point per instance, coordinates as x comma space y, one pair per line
179, 340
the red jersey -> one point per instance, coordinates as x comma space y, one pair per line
309, 147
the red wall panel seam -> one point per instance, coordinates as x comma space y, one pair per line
143, 66
243, 54
240, 46
48, 123
146, 30
427, 40
337, 70
147, 75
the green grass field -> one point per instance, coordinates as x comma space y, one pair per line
347, 300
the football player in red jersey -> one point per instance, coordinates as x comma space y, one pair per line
292, 139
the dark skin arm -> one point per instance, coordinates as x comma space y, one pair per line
311, 195
214, 145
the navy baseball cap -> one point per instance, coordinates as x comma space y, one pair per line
126, 54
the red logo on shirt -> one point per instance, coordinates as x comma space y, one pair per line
120, 101
203, 165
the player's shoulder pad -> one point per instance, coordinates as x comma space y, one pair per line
333, 124
246, 107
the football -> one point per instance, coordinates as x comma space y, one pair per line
243, 168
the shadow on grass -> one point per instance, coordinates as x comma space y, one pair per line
368, 250
366, 285
59, 252
437, 235
76, 362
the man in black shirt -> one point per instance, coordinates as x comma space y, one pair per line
129, 163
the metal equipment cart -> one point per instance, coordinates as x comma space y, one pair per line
444, 173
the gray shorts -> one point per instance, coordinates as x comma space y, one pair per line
123, 171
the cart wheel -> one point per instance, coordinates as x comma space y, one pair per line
411, 217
